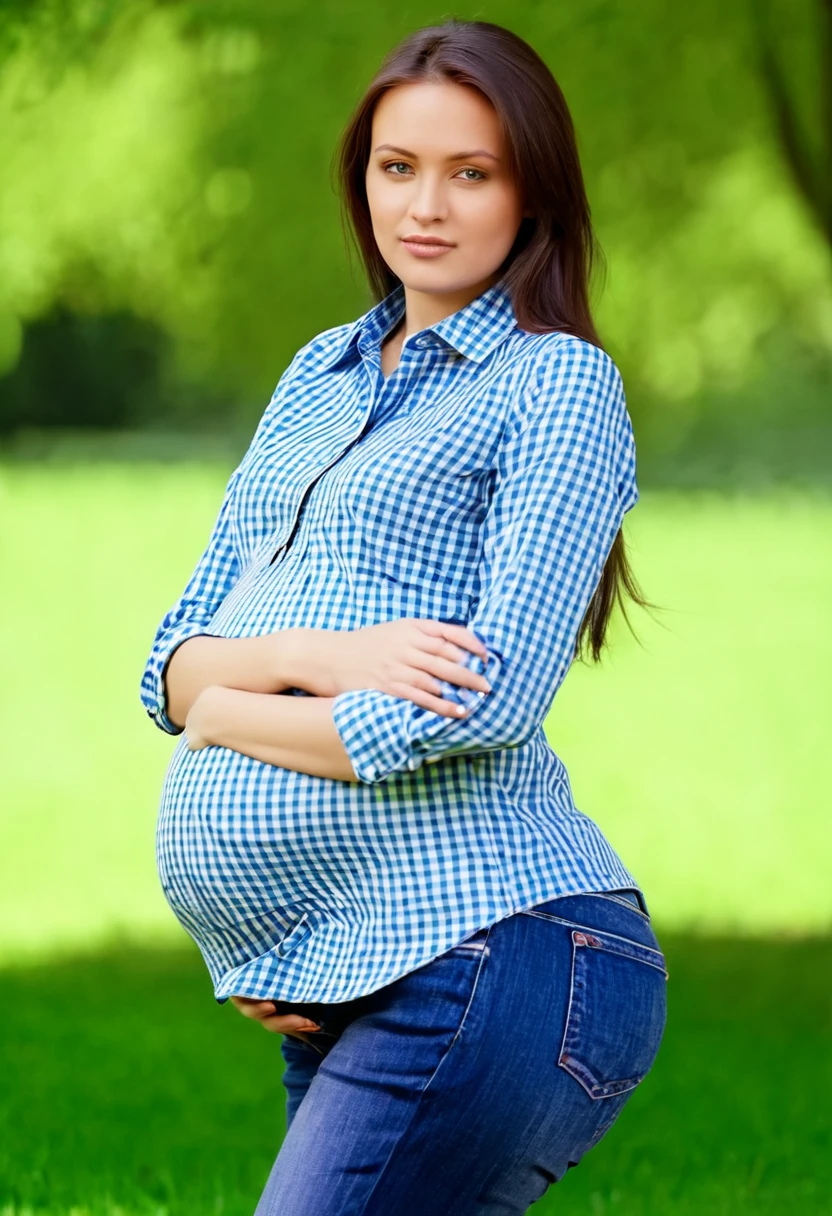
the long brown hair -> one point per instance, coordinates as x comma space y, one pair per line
549, 267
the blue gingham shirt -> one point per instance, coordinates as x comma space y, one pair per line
483, 483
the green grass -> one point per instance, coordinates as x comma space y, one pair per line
127, 1092
700, 752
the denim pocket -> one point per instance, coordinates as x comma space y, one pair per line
616, 1015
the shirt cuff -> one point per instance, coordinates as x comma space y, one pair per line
153, 685
384, 735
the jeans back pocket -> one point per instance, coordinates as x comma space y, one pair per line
617, 1012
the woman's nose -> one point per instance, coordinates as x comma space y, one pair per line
428, 202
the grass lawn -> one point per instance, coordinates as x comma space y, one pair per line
699, 751
127, 1092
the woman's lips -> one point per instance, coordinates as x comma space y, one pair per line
420, 249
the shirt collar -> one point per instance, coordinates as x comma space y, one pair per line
474, 330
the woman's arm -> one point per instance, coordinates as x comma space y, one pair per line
213, 578
290, 732
565, 477
266, 664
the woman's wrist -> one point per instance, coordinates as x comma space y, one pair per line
207, 716
286, 656
302, 737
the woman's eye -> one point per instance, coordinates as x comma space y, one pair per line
396, 165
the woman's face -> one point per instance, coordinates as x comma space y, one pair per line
438, 168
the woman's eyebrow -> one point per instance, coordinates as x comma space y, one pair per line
455, 156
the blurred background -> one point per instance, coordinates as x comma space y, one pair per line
169, 237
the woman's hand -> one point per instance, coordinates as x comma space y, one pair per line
264, 1013
406, 658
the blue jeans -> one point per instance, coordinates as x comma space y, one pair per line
470, 1084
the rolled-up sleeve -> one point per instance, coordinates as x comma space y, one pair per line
565, 477
215, 574
216, 571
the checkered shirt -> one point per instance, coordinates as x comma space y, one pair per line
483, 483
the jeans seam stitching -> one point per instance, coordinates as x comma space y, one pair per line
484, 954
592, 929
430, 1080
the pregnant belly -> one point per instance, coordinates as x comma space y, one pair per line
239, 840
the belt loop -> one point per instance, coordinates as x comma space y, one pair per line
634, 896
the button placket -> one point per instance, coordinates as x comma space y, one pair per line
284, 541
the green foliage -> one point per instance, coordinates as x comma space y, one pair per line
173, 161
67, 357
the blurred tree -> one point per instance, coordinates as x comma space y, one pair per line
180, 151
86, 371
805, 137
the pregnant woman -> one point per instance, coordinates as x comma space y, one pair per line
384, 863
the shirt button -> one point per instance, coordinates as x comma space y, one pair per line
423, 342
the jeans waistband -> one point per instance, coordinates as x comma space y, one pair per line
630, 896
